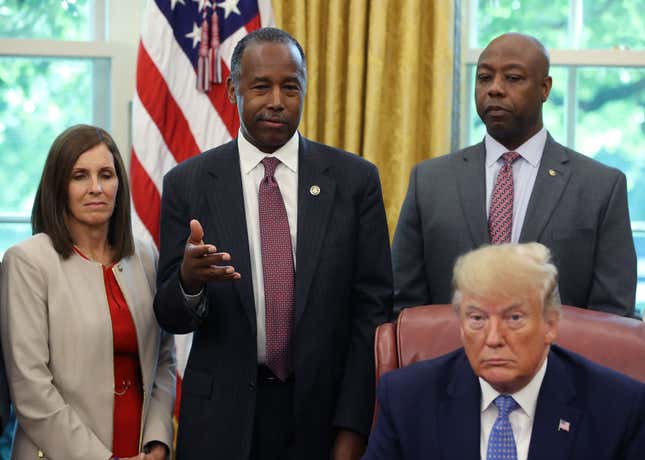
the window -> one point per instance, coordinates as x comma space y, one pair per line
597, 104
58, 67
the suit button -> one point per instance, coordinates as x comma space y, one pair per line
252, 386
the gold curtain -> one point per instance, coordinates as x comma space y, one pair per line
379, 80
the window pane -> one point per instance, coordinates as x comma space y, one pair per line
581, 24
40, 98
613, 24
611, 125
10, 234
546, 20
47, 19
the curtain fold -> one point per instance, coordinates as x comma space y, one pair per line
379, 80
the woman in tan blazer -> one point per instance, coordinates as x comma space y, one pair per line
82, 349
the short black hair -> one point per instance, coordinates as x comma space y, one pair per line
266, 35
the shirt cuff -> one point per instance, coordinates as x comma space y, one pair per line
196, 302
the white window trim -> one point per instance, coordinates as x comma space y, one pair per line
123, 20
593, 58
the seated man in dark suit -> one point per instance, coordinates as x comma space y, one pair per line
508, 393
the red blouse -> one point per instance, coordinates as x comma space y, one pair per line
128, 384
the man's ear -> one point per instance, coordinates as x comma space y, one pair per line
552, 320
230, 91
546, 87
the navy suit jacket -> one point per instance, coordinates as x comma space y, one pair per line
431, 410
578, 209
343, 291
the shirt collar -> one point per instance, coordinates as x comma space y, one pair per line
526, 398
531, 150
251, 156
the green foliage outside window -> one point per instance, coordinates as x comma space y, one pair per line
39, 98
46, 19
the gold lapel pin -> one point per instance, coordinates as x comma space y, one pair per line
314, 190
552, 172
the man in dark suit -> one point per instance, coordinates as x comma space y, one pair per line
508, 393
572, 204
281, 364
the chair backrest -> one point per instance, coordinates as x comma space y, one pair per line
433, 330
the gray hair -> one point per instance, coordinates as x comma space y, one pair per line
508, 271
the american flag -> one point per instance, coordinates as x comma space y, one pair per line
564, 425
179, 109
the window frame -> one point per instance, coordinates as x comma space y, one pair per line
116, 28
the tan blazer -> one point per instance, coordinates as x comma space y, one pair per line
57, 341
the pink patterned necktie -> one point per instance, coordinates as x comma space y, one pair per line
278, 271
500, 216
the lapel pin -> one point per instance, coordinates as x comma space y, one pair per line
314, 190
552, 172
564, 426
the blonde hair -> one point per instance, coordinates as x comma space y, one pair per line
508, 271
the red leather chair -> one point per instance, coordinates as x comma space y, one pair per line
429, 331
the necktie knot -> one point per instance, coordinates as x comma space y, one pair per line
505, 404
270, 163
510, 157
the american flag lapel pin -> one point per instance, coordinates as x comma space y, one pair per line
564, 425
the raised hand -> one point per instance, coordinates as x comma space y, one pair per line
202, 262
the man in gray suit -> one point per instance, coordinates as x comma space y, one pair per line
570, 203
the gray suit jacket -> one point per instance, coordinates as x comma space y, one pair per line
578, 208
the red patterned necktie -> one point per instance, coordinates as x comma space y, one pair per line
500, 216
278, 271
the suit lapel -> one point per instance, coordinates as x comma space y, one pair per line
131, 277
552, 177
313, 215
225, 197
459, 418
471, 182
557, 392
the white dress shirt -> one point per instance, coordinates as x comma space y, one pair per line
525, 171
286, 175
521, 418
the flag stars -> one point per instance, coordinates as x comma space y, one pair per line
229, 6
195, 35
173, 3
203, 4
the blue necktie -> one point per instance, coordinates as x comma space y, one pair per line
501, 444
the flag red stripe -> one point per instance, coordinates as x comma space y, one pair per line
178, 398
145, 197
163, 109
253, 24
219, 98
